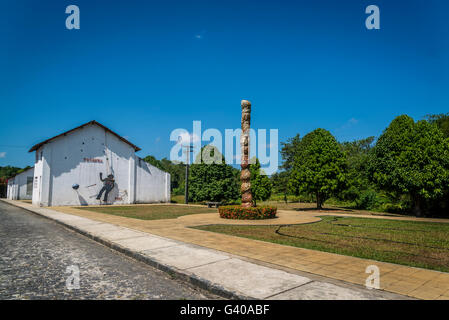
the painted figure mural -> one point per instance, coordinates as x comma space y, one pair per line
108, 185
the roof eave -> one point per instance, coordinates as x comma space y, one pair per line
37, 146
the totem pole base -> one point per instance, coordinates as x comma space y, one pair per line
247, 213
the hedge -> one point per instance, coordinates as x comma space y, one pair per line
251, 213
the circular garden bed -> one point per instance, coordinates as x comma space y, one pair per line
250, 213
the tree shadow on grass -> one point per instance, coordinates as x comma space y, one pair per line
323, 209
352, 211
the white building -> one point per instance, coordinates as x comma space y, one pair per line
68, 167
20, 186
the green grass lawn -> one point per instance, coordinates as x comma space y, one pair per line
419, 244
153, 212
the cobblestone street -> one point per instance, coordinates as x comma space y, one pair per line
35, 254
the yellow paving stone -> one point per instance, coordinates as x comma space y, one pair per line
384, 284
344, 270
421, 282
385, 270
446, 293
327, 272
443, 277
428, 286
337, 268
345, 277
438, 284
313, 268
399, 271
424, 274
427, 293
361, 277
339, 276
295, 266
402, 287
393, 278
328, 262
354, 269
316, 259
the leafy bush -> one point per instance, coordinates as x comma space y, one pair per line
179, 191
216, 182
393, 208
251, 213
261, 185
367, 200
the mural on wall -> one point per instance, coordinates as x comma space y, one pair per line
108, 185
99, 160
107, 192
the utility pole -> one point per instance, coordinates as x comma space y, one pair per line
187, 150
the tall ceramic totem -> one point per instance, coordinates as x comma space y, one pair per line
245, 175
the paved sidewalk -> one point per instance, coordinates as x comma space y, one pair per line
223, 263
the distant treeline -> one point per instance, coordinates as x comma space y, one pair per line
405, 170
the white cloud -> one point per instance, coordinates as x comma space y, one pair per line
353, 121
348, 124
2, 154
200, 35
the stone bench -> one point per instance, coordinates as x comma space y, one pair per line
213, 204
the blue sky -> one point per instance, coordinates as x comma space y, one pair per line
145, 68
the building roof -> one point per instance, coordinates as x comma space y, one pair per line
37, 146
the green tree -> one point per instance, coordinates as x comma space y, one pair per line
358, 183
6, 173
153, 161
412, 158
289, 150
260, 184
319, 166
214, 181
279, 181
441, 120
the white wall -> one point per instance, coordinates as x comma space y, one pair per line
152, 184
37, 185
10, 191
17, 186
79, 157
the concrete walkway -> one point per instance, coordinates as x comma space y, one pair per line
249, 268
